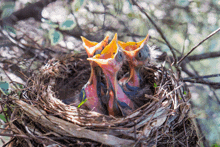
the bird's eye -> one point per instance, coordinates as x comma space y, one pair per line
97, 52
119, 57
139, 54
143, 54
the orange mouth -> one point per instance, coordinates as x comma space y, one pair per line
107, 54
92, 47
130, 46
131, 49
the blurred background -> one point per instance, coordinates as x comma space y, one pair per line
34, 31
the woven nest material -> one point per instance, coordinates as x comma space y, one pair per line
44, 120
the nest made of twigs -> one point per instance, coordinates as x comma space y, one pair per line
40, 118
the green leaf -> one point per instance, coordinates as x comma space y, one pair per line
51, 23
21, 87
7, 12
76, 52
8, 9
67, 25
130, 5
84, 100
2, 117
182, 3
10, 29
215, 145
4, 87
131, 15
55, 36
77, 4
155, 85
184, 92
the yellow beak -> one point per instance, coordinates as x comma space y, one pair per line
91, 47
107, 54
129, 46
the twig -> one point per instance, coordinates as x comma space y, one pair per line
10, 78
14, 135
217, 98
184, 127
158, 29
5, 145
210, 35
215, 85
188, 72
204, 56
202, 77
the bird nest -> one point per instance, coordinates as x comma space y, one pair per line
40, 118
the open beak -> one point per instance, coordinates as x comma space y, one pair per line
144, 41
135, 47
91, 47
107, 54
130, 46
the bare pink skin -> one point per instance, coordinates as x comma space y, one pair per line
110, 70
92, 102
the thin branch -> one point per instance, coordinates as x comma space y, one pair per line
158, 29
202, 77
215, 85
210, 35
204, 56
217, 98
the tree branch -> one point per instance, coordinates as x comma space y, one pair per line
215, 85
204, 56
210, 35
202, 77
158, 29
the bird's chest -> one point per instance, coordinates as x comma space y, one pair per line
91, 94
121, 96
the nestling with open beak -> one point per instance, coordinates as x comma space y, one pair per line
94, 89
137, 54
111, 60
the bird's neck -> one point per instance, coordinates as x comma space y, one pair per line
111, 80
112, 90
93, 77
134, 76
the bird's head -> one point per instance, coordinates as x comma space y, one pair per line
110, 59
137, 53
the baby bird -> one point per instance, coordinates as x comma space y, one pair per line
111, 60
137, 55
93, 89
